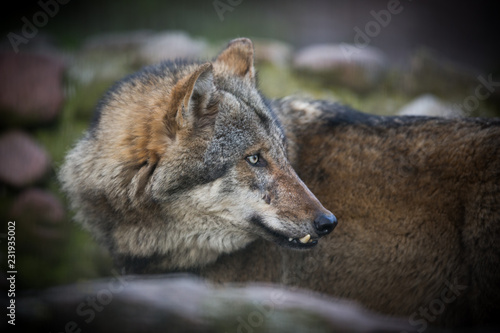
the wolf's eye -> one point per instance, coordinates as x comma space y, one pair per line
256, 160
253, 159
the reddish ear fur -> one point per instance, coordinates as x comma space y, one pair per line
146, 139
238, 58
181, 113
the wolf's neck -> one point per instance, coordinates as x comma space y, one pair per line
169, 248
259, 261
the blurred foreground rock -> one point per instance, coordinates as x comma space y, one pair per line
179, 303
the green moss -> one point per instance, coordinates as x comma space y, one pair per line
279, 82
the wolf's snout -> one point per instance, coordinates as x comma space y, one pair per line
325, 223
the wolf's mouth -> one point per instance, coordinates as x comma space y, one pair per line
305, 242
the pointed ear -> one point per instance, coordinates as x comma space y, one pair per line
191, 96
237, 58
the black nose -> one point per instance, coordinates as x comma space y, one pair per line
325, 223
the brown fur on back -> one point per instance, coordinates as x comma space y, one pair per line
419, 204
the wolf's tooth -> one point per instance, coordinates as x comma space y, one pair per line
290, 239
305, 239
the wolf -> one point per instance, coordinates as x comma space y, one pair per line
187, 167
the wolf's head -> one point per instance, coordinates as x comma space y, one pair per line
188, 161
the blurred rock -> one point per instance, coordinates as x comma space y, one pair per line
23, 160
343, 64
123, 41
170, 45
430, 72
429, 105
40, 211
30, 88
112, 56
97, 68
179, 303
272, 51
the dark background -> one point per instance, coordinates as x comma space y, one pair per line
465, 31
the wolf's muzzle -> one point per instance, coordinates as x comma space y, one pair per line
325, 223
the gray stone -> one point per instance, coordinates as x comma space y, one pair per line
30, 88
343, 64
116, 42
23, 160
272, 51
170, 45
143, 47
179, 303
429, 105
100, 66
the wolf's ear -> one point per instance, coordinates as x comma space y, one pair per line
238, 58
191, 96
